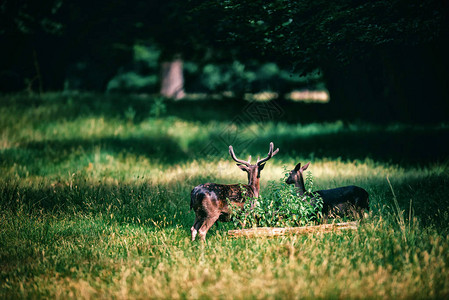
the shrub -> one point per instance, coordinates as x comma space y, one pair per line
280, 206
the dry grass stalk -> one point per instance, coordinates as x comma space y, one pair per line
280, 231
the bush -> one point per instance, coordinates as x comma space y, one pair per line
280, 206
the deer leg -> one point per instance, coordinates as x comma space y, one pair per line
208, 222
193, 231
355, 212
196, 225
360, 213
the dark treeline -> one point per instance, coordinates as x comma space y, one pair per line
387, 58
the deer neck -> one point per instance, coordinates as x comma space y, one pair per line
300, 187
253, 182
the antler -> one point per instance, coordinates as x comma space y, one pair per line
270, 155
231, 151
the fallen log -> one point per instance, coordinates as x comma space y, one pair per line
280, 231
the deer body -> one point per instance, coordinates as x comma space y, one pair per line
205, 199
210, 201
344, 201
338, 202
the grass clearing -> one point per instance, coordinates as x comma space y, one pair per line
95, 203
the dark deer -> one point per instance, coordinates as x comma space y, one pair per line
210, 200
346, 201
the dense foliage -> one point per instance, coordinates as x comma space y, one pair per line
317, 33
280, 206
380, 57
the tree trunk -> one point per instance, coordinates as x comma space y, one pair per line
172, 79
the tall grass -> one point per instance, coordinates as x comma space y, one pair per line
95, 203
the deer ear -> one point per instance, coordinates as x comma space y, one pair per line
243, 168
261, 166
298, 166
306, 166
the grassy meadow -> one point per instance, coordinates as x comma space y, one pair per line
95, 193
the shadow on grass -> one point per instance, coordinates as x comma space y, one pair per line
60, 106
137, 203
409, 147
67, 107
39, 156
424, 199
405, 147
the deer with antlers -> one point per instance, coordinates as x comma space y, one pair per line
345, 201
210, 200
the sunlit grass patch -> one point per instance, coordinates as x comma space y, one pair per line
131, 260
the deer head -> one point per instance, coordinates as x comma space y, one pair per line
296, 176
253, 171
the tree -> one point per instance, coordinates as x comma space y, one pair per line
83, 43
62, 38
22, 25
371, 52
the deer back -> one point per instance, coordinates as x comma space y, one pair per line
351, 194
219, 195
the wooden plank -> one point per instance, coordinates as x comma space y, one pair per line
280, 231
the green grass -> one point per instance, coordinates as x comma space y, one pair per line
95, 199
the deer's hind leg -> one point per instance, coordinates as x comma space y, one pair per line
199, 220
207, 224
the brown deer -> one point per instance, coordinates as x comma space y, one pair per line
346, 201
210, 200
